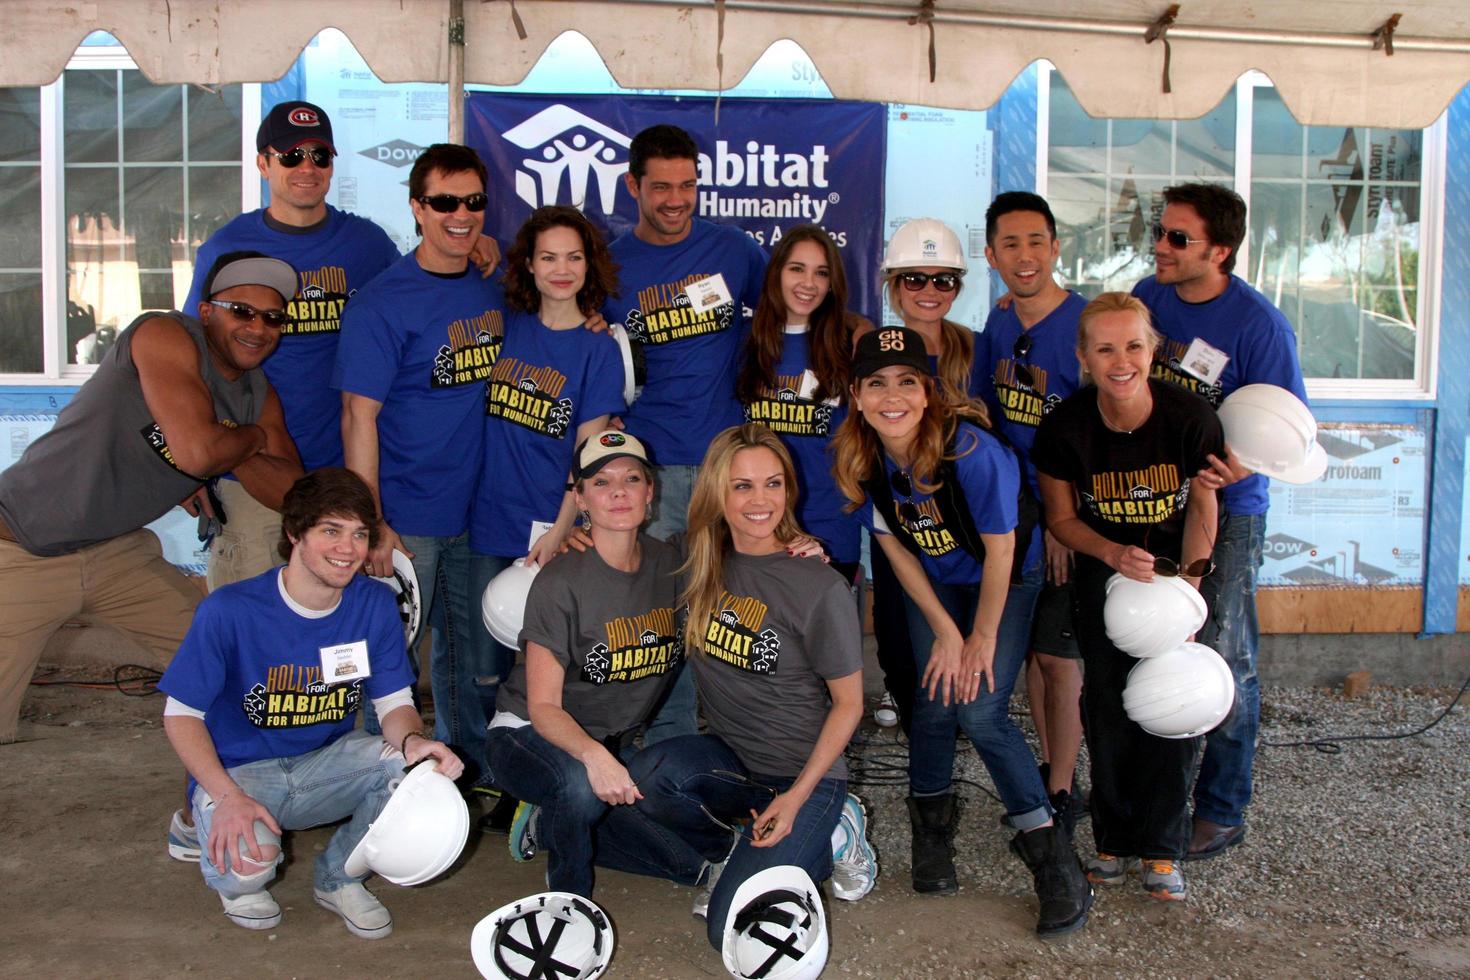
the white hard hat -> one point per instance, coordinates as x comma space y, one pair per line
631, 388
1184, 693
405, 585
924, 242
419, 834
543, 937
1272, 432
1147, 619
503, 607
776, 927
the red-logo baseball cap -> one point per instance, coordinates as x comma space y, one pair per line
290, 124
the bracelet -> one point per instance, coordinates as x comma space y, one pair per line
403, 746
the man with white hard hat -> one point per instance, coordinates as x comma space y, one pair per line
262, 709
178, 399
1219, 335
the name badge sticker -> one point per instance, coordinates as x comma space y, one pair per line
538, 528
345, 662
1204, 362
707, 293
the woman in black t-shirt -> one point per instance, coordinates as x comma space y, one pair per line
1124, 447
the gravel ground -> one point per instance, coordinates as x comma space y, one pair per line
1361, 853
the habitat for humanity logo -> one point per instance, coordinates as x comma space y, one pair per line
395, 153
561, 142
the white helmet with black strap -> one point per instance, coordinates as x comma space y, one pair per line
547, 936
776, 928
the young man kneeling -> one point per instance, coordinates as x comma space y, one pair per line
262, 703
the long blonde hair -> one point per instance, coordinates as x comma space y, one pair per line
858, 452
956, 347
708, 537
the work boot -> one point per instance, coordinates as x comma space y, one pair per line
1061, 887
933, 819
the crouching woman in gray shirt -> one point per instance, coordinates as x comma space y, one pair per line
776, 649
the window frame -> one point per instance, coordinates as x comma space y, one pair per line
1422, 386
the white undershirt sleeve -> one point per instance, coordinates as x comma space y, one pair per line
178, 709
397, 699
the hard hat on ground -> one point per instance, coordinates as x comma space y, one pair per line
1272, 432
549, 936
776, 928
1184, 693
419, 834
405, 585
924, 242
1147, 619
503, 607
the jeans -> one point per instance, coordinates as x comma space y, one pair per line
1233, 631
496, 658
575, 827
459, 662
681, 778
348, 778
679, 714
987, 719
1140, 782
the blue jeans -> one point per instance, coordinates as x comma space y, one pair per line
673, 485
496, 659
348, 778
987, 719
1223, 790
459, 663
680, 776
575, 827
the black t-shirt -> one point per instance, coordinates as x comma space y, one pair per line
1133, 486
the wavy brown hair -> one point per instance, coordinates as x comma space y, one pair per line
858, 452
956, 346
602, 272
829, 331
708, 539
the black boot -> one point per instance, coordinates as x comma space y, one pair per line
933, 819
1061, 887
1064, 809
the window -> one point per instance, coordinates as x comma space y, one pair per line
20, 230
1340, 238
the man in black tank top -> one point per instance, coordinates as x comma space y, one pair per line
177, 400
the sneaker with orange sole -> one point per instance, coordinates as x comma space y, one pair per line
1163, 880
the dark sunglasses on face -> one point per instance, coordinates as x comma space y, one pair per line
449, 203
1019, 351
244, 312
321, 157
944, 282
904, 487
1176, 237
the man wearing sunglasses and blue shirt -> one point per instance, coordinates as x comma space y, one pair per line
335, 254
178, 399
1221, 334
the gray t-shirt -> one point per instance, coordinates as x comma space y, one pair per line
784, 627
615, 634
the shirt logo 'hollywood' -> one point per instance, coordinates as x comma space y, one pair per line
927, 529
1021, 403
784, 411
734, 635
469, 357
317, 306
529, 396
294, 696
636, 647
1147, 496
664, 314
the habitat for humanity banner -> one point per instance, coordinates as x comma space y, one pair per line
767, 166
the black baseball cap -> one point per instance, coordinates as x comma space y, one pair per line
886, 347
290, 124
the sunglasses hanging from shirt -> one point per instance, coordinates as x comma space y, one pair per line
1019, 351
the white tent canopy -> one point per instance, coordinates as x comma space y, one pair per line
1319, 53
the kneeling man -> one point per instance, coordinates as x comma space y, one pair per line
262, 700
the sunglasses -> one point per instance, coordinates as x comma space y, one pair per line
904, 487
244, 312
1169, 568
944, 282
1176, 237
1019, 351
321, 157
449, 203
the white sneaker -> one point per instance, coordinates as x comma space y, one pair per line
362, 913
886, 714
854, 864
254, 911
183, 840
700, 908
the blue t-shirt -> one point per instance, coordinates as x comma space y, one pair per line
334, 259
424, 345
545, 384
806, 427
1248, 329
692, 358
991, 479
253, 665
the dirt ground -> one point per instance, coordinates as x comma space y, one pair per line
90, 891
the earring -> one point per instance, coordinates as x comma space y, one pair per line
586, 519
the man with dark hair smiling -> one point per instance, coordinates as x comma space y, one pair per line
262, 704
1219, 335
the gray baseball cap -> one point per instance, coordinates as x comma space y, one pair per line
251, 269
